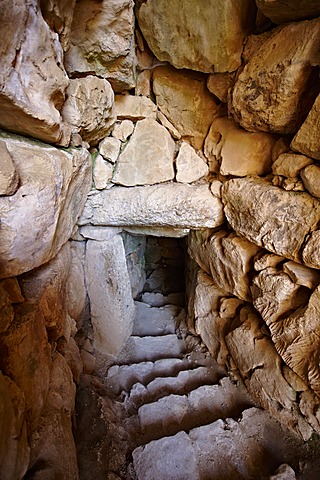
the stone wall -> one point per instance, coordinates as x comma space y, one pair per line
189, 131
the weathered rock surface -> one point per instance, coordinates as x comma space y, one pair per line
311, 179
14, 449
190, 166
75, 286
45, 288
52, 443
40, 217
182, 34
286, 72
302, 275
310, 251
109, 290
132, 107
88, 109
184, 99
172, 205
289, 10
26, 359
228, 258
148, 157
9, 178
109, 148
102, 172
102, 42
290, 164
240, 153
307, 139
220, 83
123, 130
32, 92
271, 217
59, 14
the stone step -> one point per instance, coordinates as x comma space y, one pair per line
144, 349
159, 300
154, 320
201, 406
181, 384
251, 448
121, 378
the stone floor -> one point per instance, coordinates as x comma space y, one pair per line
176, 415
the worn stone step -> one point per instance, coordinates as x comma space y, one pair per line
159, 300
154, 320
159, 387
122, 377
201, 406
250, 448
144, 349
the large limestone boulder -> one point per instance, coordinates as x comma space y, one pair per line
88, 110
109, 290
184, 99
170, 205
270, 217
9, 178
280, 11
59, 14
14, 448
182, 33
32, 77
274, 90
25, 357
147, 158
39, 218
228, 258
102, 42
133, 107
240, 153
307, 138
53, 451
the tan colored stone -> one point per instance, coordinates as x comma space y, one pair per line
9, 178
227, 257
282, 66
215, 188
53, 187
102, 42
72, 356
261, 368
190, 166
296, 338
182, 33
290, 164
307, 139
143, 86
109, 290
45, 288
302, 275
25, 357
220, 83
169, 232
32, 92
241, 153
14, 448
147, 158
102, 172
53, 452
6, 312
267, 260
275, 294
75, 286
270, 217
280, 11
184, 99
172, 205
134, 108
168, 125
88, 110
123, 130
59, 14
311, 250
109, 148
311, 179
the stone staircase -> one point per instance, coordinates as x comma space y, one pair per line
185, 418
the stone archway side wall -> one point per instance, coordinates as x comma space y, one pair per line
153, 127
